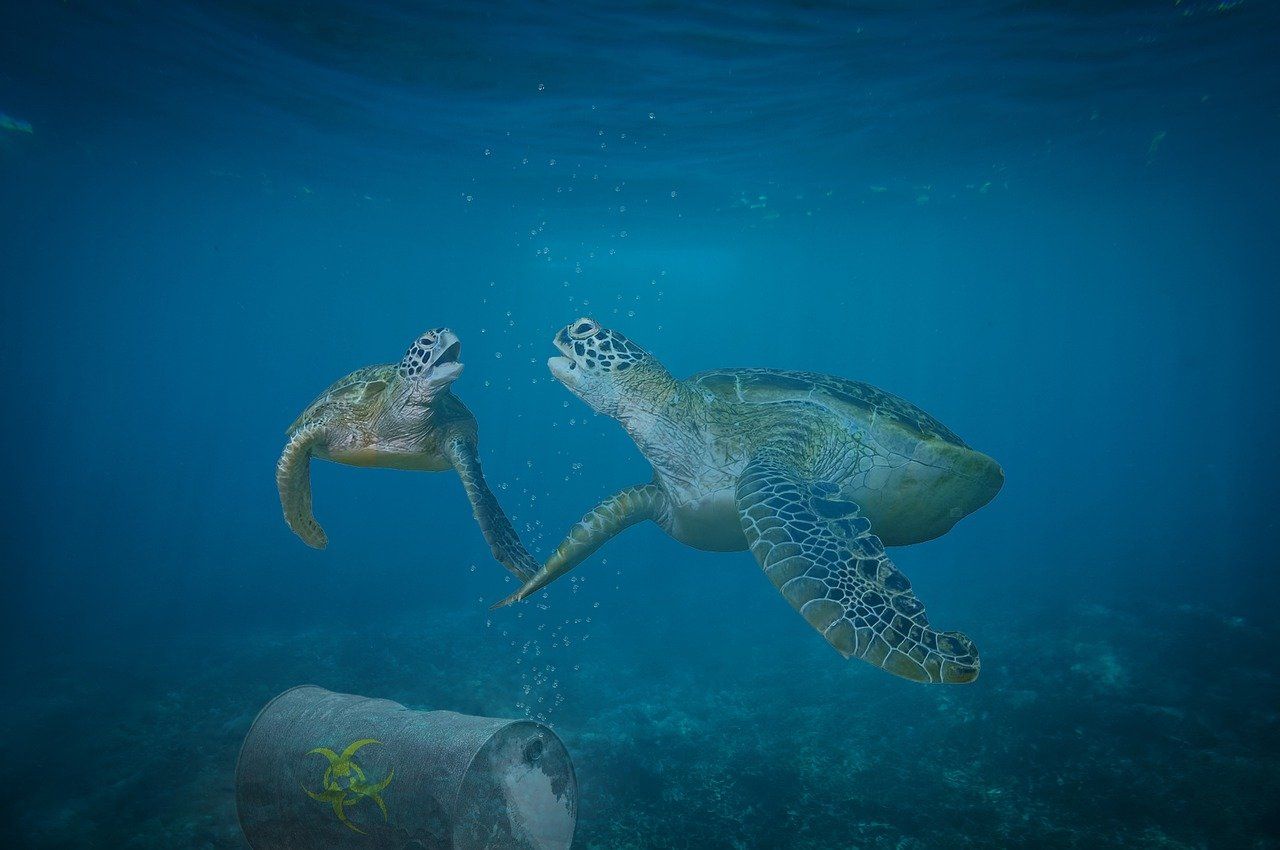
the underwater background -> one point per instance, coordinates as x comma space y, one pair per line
1053, 225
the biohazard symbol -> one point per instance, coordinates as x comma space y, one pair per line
345, 783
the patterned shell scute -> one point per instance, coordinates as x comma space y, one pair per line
344, 392
762, 386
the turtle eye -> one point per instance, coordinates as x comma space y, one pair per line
584, 328
429, 338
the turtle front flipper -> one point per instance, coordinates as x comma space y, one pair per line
818, 550
293, 479
503, 540
616, 513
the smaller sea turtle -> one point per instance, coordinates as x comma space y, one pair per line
401, 416
814, 474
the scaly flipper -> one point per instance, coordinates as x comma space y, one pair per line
503, 540
820, 553
293, 480
619, 511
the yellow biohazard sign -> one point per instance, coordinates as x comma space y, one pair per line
344, 782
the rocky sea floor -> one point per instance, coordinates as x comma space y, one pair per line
1142, 729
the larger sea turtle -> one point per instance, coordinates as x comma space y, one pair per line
403, 416
814, 474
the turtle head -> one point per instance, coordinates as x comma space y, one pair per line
605, 369
429, 366
377, 416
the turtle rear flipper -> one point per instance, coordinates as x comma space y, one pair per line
818, 550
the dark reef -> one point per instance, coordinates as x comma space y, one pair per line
1149, 729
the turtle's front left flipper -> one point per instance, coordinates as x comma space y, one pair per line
616, 513
820, 553
503, 540
293, 480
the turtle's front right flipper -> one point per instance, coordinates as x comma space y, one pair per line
503, 540
293, 480
818, 550
616, 513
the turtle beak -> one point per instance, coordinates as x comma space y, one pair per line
450, 347
562, 368
446, 367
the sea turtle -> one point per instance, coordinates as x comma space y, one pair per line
402, 416
814, 474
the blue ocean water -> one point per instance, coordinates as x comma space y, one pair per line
1050, 224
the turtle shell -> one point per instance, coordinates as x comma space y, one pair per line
346, 391
854, 399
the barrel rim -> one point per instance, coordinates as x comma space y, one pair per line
523, 721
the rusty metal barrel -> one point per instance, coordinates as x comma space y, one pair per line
320, 769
